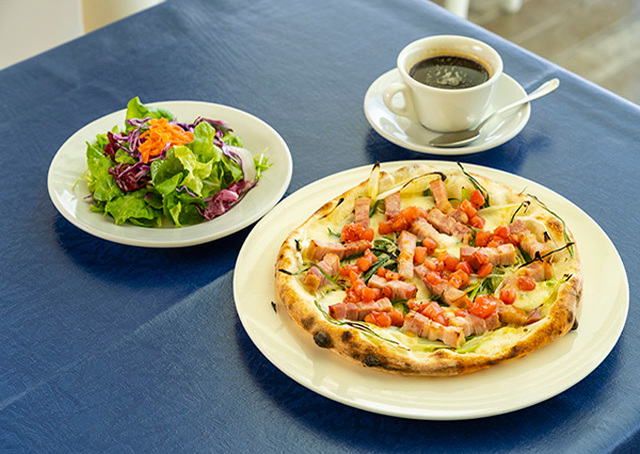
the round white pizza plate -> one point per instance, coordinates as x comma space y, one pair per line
69, 193
504, 388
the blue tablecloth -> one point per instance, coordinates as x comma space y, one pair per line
112, 348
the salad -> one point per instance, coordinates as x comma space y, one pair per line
157, 168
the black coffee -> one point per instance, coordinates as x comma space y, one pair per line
449, 72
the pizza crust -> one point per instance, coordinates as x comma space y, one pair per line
506, 343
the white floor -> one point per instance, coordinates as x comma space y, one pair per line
29, 27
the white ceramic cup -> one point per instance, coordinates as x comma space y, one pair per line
444, 109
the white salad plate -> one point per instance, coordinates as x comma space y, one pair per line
405, 133
70, 195
501, 389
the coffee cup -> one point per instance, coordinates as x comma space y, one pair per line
448, 82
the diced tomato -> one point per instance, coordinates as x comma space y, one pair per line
434, 312
411, 213
434, 278
397, 317
479, 258
482, 238
384, 227
430, 244
358, 286
391, 276
450, 263
434, 265
485, 270
468, 208
508, 295
465, 266
461, 313
495, 242
382, 271
351, 232
368, 294
399, 223
368, 234
381, 319
370, 256
387, 292
477, 198
352, 296
483, 306
347, 269
363, 264
477, 222
502, 231
419, 255
526, 284
411, 304
459, 279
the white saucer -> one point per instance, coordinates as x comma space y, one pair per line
407, 134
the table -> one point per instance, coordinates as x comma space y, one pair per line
112, 348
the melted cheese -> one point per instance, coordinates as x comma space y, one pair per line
503, 206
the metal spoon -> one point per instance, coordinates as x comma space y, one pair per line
461, 138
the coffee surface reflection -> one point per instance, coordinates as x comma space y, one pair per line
449, 72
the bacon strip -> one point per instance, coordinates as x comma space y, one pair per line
399, 290
538, 271
511, 315
504, 254
422, 326
318, 249
422, 229
472, 324
330, 264
449, 294
392, 205
439, 191
361, 209
358, 311
448, 225
459, 216
407, 245
528, 240
376, 281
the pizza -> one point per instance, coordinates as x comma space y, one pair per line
426, 271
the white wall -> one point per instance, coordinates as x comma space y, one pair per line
29, 27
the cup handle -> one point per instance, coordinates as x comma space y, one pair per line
407, 110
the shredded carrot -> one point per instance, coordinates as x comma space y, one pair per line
159, 134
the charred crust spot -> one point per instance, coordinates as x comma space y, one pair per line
298, 248
372, 361
322, 339
308, 322
575, 324
346, 336
273, 306
514, 352
340, 200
